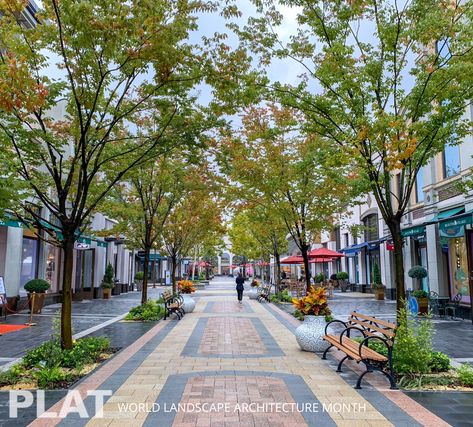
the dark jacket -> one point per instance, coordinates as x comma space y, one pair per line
239, 281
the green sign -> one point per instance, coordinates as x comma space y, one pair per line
413, 231
101, 244
11, 223
455, 227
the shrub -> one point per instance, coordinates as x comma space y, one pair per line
140, 275
413, 345
342, 275
11, 376
419, 293
465, 375
314, 303
333, 277
186, 287
417, 272
37, 285
49, 377
107, 281
148, 311
440, 362
298, 314
50, 354
319, 278
377, 276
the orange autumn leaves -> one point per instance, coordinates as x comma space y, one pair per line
314, 303
18, 89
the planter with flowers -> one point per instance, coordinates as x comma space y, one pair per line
315, 309
186, 287
253, 294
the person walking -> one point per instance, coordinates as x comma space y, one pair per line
239, 287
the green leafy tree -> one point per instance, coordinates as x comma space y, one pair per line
123, 74
298, 176
385, 82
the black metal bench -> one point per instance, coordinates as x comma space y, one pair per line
370, 329
264, 293
173, 304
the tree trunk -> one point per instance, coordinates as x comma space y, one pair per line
66, 310
144, 291
305, 256
395, 228
173, 274
278, 271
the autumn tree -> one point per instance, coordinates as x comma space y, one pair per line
195, 218
386, 82
122, 75
298, 176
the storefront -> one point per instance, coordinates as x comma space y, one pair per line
418, 242
457, 242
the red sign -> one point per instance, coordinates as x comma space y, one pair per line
389, 246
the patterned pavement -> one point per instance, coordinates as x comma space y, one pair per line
226, 365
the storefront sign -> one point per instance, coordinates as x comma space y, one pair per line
455, 227
413, 231
81, 246
389, 246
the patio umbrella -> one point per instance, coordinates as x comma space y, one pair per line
293, 260
324, 253
320, 260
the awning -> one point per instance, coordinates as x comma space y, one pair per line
354, 249
455, 227
447, 214
413, 231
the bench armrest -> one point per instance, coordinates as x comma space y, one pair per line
347, 330
375, 337
334, 321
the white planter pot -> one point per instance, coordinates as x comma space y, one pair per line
309, 334
253, 293
189, 303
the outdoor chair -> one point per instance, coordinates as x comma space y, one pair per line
453, 305
434, 303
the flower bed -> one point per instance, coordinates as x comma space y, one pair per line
50, 367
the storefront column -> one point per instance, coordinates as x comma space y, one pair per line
219, 265
408, 257
435, 261
13, 257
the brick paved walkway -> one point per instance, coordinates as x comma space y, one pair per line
226, 365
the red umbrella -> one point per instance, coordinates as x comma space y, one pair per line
320, 260
324, 253
293, 260
262, 264
234, 266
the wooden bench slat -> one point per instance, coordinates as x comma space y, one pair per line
387, 332
374, 319
351, 348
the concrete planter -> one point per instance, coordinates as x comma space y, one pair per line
309, 334
189, 303
253, 292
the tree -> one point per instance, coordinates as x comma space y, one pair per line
195, 218
123, 75
384, 81
141, 205
299, 177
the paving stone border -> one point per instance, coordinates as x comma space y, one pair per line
191, 348
174, 388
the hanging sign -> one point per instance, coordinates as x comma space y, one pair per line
81, 246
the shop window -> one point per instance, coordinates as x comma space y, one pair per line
371, 226
419, 186
338, 238
52, 266
451, 160
29, 260
458, 262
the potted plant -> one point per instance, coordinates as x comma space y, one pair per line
315, 309
186, 287
343, 277
377, 285
139, 277
422, 298
253, 294
107, 282
319, 278
418, 272
39, 288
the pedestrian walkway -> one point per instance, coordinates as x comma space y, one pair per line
228, 365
